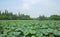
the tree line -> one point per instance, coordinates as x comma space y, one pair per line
5, 15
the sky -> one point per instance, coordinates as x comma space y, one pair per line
34, 8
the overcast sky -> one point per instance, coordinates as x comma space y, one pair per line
34, 8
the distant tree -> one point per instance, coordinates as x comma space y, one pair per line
18, 13
42, 18
24, 17
54, 17
0, 12
5, 15
6, 12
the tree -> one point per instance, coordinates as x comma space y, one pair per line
54, 17
42, 18
0, 12
6, 12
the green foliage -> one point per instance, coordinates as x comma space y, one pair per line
5, 15
42, 18
10, 16
29, 28
55, 17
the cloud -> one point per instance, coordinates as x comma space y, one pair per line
26, 5
30, 1
36, 7
34, 1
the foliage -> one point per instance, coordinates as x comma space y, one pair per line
29, 28
55, 17
10, 16
5, 15
42, 18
